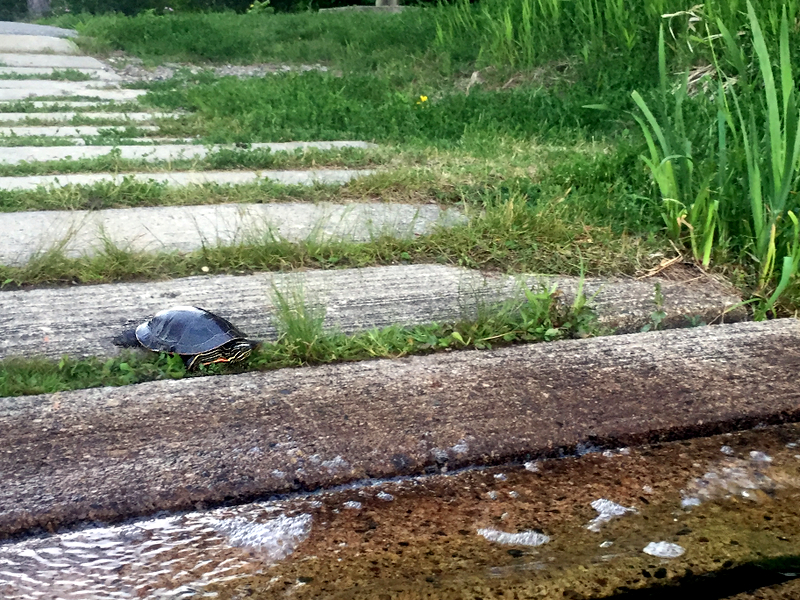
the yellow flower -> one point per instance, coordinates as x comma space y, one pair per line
423, 98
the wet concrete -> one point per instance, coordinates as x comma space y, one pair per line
112, 453
468, 534
425, 542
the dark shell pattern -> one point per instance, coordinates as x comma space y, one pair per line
186, 330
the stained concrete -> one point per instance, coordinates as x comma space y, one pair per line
81, 321
111, 453
179, 152
68, 131
65, 117
188, 228
54, 61
35, 44
181, 178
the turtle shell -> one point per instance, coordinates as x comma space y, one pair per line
186, 330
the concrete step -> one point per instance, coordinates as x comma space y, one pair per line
15, 156
182, 178
53, 61
73, 91
69, 131
168, 445
14, 28
62, 104
32, 72
189, 228
81, 321
66, 117
36, 44
11, 142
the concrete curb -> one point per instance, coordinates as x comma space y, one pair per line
181, 178
112, 453
81, 321
13, 156
36, 44
14, 28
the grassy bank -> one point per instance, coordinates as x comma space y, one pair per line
703, 94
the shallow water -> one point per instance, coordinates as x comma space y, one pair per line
586, 526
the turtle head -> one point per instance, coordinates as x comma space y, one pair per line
241, 349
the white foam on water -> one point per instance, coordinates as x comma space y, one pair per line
524, 538
664, 550
731, 477
606, 510
169, 557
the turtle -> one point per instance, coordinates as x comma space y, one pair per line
195, 334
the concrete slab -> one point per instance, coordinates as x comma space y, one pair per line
66, 117
60, 104
183, 178
67, 131
189, 228
112, 453
36, 44
81, 321
15, 28
188, 151
7, 95
39, 71
50, 87
54, 61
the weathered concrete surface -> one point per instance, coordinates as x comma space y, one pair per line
188, 228
7, 95
35, 44
110, 453
37, 154
81, 321
55, 61
14, 28
65, 117
37, 71
181, 178
68, 130
421, 537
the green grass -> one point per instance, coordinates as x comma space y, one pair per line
536, 317
458, 77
